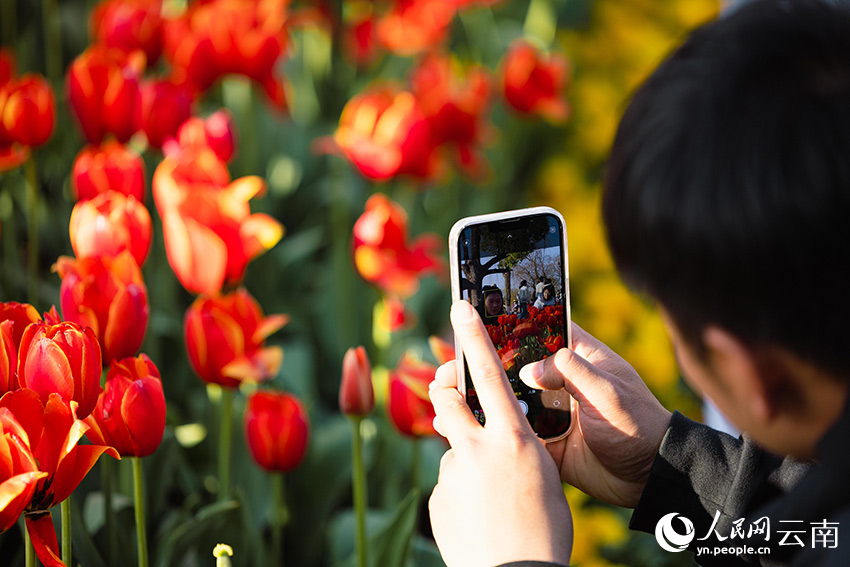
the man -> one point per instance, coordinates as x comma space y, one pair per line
726, 202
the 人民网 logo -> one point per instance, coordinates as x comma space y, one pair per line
669, 538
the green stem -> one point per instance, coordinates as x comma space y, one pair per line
32, 229
279, 518
65, 508
139, 500
108, 512
52, 41
225, 442
29, 550
358, 478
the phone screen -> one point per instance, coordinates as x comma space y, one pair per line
512, 272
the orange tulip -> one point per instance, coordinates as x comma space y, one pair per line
225, 339
408, 405
129, 25
534, 83
111, 166
456, 107
108, 296
382, 254
54, 431
414, 26
220, 37
356, 395
163, 107
109, 224
130, 414
276, 430
103, 92
209, 231
384, 133
19, 474
62, 358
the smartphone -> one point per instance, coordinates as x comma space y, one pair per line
512, 267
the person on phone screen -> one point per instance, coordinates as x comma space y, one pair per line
548, 297
726, 203
494, 304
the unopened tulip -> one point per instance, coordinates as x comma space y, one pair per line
107, 295
408, 405
27, 110
110, 224
163, 107
61, 358
103, 92
534, 83
216, 132
111, 166
276, 429
356, 395
130, 414
129, 25
225, 339
414, 26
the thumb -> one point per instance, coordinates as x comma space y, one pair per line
569, 370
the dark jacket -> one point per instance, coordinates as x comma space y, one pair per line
702, 474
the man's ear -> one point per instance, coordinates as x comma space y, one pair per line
742, 370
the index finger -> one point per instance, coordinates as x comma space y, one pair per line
495, 393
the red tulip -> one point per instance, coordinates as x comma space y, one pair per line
456, 107
130, 413
414, 26
107, 295
384, 133
21, 315
27, 110
356, 395
54, 431
360, 42
19, 474
111, 166
382, 254
408, 405
61, 358
7, 66
109, 224
216, 132
129, 25
534, 83
225, 339
209, 231
276, 430
394, 315
219, 37
103, 92
163, 107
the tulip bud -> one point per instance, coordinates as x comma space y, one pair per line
64, 359
130, 413
110, 224
534, 83
276, 430
112, 166
28, 114
356, 396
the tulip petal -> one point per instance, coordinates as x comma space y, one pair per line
143, 411
75, 466
15, 494
196, 254
43, 537
48, 370
259, 232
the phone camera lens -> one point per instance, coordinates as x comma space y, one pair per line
466, 242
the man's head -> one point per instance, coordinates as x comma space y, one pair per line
728, 191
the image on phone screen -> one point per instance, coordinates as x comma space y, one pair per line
512, 272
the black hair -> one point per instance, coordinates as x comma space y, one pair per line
727, 193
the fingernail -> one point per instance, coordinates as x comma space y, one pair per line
433, 385
462, 311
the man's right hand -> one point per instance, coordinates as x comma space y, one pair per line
619, 423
